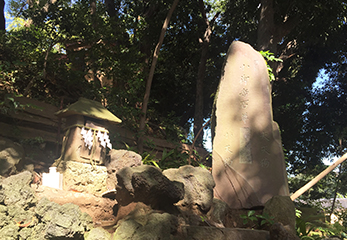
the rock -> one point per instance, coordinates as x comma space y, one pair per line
61, 221
9, 232
98, 208
203, 233
16, 190
198, 186
23, 217
10, 155
83, 177
278, 232
144, 223
283, 210
147, 184
218, 212
118, 159
97, 234
248, 164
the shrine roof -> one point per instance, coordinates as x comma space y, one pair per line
88, 108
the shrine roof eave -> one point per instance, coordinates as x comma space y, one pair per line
88, 108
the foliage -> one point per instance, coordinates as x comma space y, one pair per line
172, 159
261, 219
314, 227
68, 49
270, 57
8, 104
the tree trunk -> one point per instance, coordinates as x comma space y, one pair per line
111, 8
150, 78
270, 33
266, 28
199, 95
2, 16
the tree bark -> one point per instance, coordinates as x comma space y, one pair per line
266, 27
111, 8
150, 78
199, 94
270, 34
2, 16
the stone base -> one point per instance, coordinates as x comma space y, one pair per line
83, 177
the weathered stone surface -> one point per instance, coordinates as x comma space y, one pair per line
198, 186
10, 155
23, 217
218, 212
83, 177
16, 190
202, 233
98, 208
147, 184
98, 234
9, 232
146, 224
283, 210
278, 232
62, 221
118, 159
248, 164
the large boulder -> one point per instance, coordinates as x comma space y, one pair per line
147, 184
10, 155
118, 159
198, 186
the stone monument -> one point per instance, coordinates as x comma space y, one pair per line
248, 163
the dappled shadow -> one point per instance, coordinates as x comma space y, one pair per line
248, 164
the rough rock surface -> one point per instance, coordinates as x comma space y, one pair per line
83, 177
23, 217
60, 220
147, 184
10, 155
98, 234
202, 233
145, 223
198, 186
278, 232
98, 208
118, 159
283, 210
218, 212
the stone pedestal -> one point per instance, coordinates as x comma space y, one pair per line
83, 177
248, 163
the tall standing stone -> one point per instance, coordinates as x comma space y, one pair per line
248, 163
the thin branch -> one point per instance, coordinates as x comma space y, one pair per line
151, 74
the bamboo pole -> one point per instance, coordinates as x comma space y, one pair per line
317, 178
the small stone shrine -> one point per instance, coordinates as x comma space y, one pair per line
248, 163
84, 146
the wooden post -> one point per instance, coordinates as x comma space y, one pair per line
317, 178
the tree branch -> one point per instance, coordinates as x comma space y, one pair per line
150, 76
